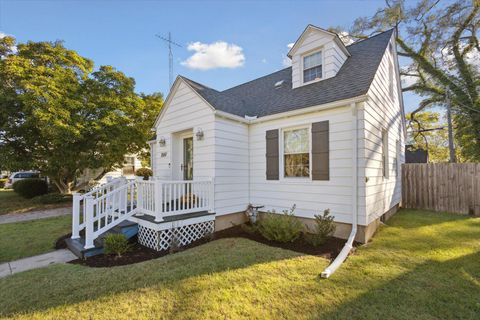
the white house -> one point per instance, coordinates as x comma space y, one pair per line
327, 132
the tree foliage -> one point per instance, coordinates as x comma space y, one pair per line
60, 116
428, 131
440, 39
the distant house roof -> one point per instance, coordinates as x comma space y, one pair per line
260, 97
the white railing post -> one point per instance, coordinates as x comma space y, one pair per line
122, 198
140, 196
76, 216
211, 199
110, 208
89, 222
158, 200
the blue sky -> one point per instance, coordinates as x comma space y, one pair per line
122, 34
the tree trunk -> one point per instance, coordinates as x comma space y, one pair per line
451, 146
63, 187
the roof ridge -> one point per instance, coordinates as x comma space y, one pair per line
198, 83
267, 75
378, 34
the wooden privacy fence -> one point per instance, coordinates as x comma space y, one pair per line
452, 187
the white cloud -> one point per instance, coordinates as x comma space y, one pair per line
3, 35
264, 60
346, 38
286, 62
215, 55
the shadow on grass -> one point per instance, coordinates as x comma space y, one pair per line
433, 290
58, 285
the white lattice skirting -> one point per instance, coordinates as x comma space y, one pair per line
161, 240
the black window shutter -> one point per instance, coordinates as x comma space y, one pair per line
320, 151
272, 154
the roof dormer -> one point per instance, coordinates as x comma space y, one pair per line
317, 55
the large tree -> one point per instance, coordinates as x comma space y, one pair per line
429, 131
440, 41
59, 116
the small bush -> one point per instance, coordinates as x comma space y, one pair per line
29, 188
280, 227
144, 172
324, 228
116, 243
53, 198
2, 183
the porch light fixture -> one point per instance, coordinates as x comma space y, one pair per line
162, 142
199, 134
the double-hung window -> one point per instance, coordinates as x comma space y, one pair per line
312, 67
296, 152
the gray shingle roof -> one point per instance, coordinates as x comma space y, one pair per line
260, 97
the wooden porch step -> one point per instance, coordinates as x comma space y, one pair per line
127, 228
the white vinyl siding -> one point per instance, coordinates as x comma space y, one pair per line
310, 197
380, 112
231, 166
332, 55
186, 111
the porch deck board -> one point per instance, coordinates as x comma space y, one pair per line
172, 218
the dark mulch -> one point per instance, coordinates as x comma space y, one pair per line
60, 242
140, 253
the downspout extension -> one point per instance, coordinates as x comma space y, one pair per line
342, 256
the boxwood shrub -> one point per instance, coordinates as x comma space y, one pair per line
283, 227
29, 188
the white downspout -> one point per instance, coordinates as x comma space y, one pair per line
349, 244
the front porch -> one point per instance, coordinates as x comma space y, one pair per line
166, 212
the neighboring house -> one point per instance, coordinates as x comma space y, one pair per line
413, 155
287, 138
326, 133
130, 164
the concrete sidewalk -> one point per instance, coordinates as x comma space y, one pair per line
35, 262
34, 215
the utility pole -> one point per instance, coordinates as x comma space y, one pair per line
451, 146
169, 41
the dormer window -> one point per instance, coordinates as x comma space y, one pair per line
312, 67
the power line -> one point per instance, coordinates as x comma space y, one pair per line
170, 55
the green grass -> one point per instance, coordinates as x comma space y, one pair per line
422, 266
10, 202
29, 238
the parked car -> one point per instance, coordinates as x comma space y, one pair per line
21, 175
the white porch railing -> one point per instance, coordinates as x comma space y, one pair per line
79, 203
105, 207
162, 198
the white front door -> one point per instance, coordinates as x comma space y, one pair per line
183, 159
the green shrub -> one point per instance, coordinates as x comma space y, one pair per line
324, 228
2, 183
116, 243
144, 172
283, 227
29, 188
52, 198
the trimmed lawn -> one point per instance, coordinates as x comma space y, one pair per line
29, 238
10, 202
421, 266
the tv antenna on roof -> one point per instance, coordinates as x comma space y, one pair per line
170, 55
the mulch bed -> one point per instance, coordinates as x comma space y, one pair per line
140, 253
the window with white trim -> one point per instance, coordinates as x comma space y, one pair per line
296, 152
312, 67
385, 166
